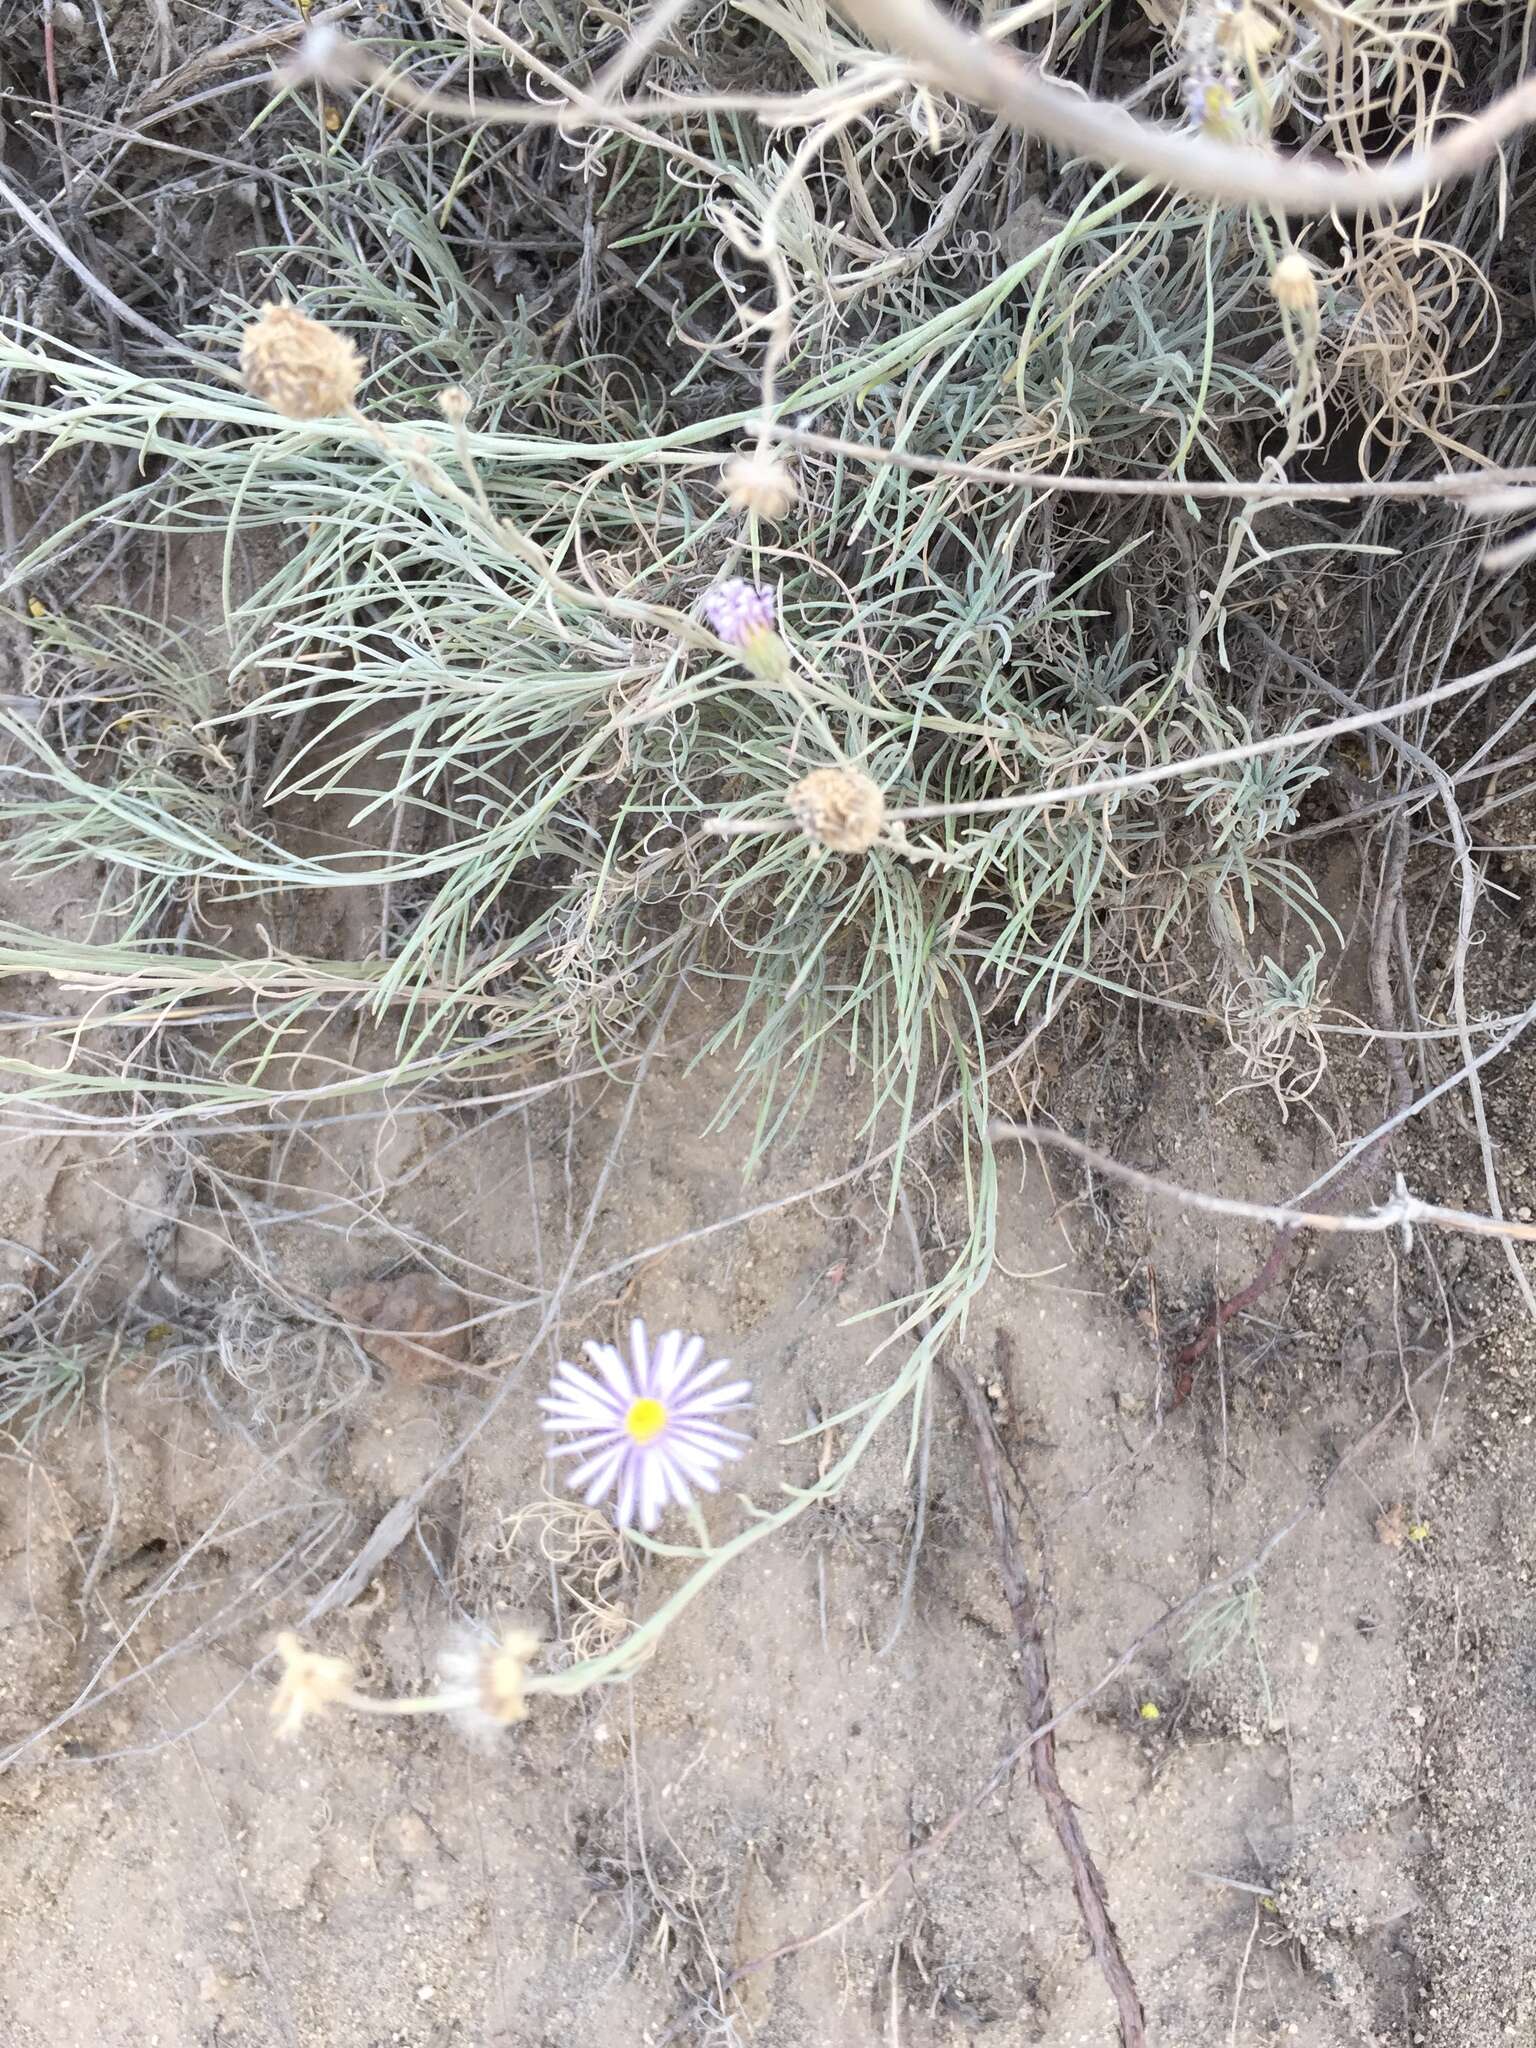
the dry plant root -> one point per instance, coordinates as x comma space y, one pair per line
1034, 1669
1092, 1898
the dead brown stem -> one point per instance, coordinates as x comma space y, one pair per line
1233, 1305
1379, 969
1092, 1899
1034, 1670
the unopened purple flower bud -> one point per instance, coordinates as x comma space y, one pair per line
736, 608
742, 614
1209, 104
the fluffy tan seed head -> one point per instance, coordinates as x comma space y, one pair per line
761, 484
297, 366
838, 807
1249, 32
486, 1683
502, 1672
309, 1683
1294, 283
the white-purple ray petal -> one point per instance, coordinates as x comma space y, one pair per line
664, 1364
609, 1364
575, 1386
653, 1492
710, 1438
696, 1467
699, 1381
718, 1398
599, 1476
639, 1357
583, 1414
603, 1440
629, 1480
674, 1487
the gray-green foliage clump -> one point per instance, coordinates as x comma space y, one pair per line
463, 668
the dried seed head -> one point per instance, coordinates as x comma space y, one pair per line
1294, 283
320, 56
838, 807
491, 1677
297, 366
453, 404
309, 1683
759, 483
1248, 32
502, 1672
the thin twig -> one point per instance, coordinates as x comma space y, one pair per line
638, 46
1401, 1211
1394, 868
329, 59
1242, 1968
93, 284
1466, 484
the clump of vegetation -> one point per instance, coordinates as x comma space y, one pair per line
713, 503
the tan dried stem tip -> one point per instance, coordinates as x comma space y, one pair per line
297, 366
309, 1684
502, 1673
1250, 33
759, 483
1294, 283
838, 807
485, 1684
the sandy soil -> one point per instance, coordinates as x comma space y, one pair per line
1325, 1835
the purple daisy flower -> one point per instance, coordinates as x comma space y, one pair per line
649, 1428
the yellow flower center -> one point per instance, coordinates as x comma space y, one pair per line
646, 1420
